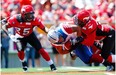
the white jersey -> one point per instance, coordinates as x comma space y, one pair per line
66, 32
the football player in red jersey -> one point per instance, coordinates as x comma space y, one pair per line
66, 39
91, 29
24, 24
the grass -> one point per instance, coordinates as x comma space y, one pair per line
61, 71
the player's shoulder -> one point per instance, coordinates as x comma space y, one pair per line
92, 24
14, 17
93, 21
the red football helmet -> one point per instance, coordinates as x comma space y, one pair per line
27, 12
81, 18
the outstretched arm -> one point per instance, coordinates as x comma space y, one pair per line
45, 29
76, 29
61, 50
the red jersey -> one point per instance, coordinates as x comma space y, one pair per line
89, 32
94, 31
24, 28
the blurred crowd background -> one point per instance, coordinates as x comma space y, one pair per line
52, 12
61, 10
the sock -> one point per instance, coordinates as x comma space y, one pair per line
21, 56
96, 58
111, 59
50, 62
44, 54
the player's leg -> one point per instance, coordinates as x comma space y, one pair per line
86, 55
21, 54
37, 45
109, 47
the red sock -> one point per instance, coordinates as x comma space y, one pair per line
109, 59
44, 54
21, 55
96, 58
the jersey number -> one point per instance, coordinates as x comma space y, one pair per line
25, 30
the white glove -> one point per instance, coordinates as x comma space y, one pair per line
46, 29
13, 38
73, 41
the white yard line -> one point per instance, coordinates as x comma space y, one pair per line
40, 69
82, 69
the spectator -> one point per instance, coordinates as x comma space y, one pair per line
5, 47
30, 54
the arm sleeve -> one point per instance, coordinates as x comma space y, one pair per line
11, 22
39, 23
67, 29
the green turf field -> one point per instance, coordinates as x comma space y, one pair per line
60, 71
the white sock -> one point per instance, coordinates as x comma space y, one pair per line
50, 62
23, 60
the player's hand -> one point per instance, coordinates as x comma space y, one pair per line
98, 44
73, 41
46, 30
76, 40
13, 38
79, 39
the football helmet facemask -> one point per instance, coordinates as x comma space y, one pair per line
81, 18
27, 13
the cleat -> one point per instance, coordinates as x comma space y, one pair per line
25, 68
109, 68
53, 68
73, 55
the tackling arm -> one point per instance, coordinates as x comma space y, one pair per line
61, 50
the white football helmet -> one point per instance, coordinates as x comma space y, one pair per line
53, 36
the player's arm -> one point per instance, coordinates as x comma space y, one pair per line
41, 25
61, 50
77, 29
69, 29
45, 29
5, 27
